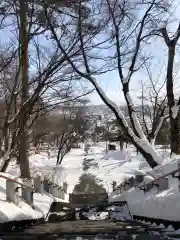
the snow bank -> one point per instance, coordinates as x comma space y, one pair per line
163, 204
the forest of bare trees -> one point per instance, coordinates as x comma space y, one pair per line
52, 55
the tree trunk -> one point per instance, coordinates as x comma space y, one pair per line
175, 134
121, 143
5, 164
23, 142
106, 147
59, 155
174, 120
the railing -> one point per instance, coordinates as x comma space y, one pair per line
19, 183
39, 184
162, 176
121, 188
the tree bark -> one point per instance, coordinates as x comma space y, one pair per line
174, 121
58, 156
175, 134
121, 143
5, 164
23, 142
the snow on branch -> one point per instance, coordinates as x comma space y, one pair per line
142, 142
158, 128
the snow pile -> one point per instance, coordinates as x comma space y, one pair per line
93, 215
113, 212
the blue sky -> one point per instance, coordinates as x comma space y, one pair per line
111, 84
110, 81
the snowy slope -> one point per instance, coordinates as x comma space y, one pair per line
113, 166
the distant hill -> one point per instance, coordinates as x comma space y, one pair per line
103, 109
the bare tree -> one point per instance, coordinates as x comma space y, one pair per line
72, 127
128, 36
51, 72
153, 105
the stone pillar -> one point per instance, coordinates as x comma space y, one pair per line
174, 181
56, 191
61, 193
139, 178
114, 184
53, 190
39, 184
12, 193
27, 195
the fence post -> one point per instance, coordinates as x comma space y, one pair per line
27, 195
39, 183
12, 193
27, 192
59, 191
46, 185
53, 190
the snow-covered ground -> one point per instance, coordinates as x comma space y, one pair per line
113, 166
109, 169
70, 171
164, 204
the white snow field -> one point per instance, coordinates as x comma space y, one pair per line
113, 166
